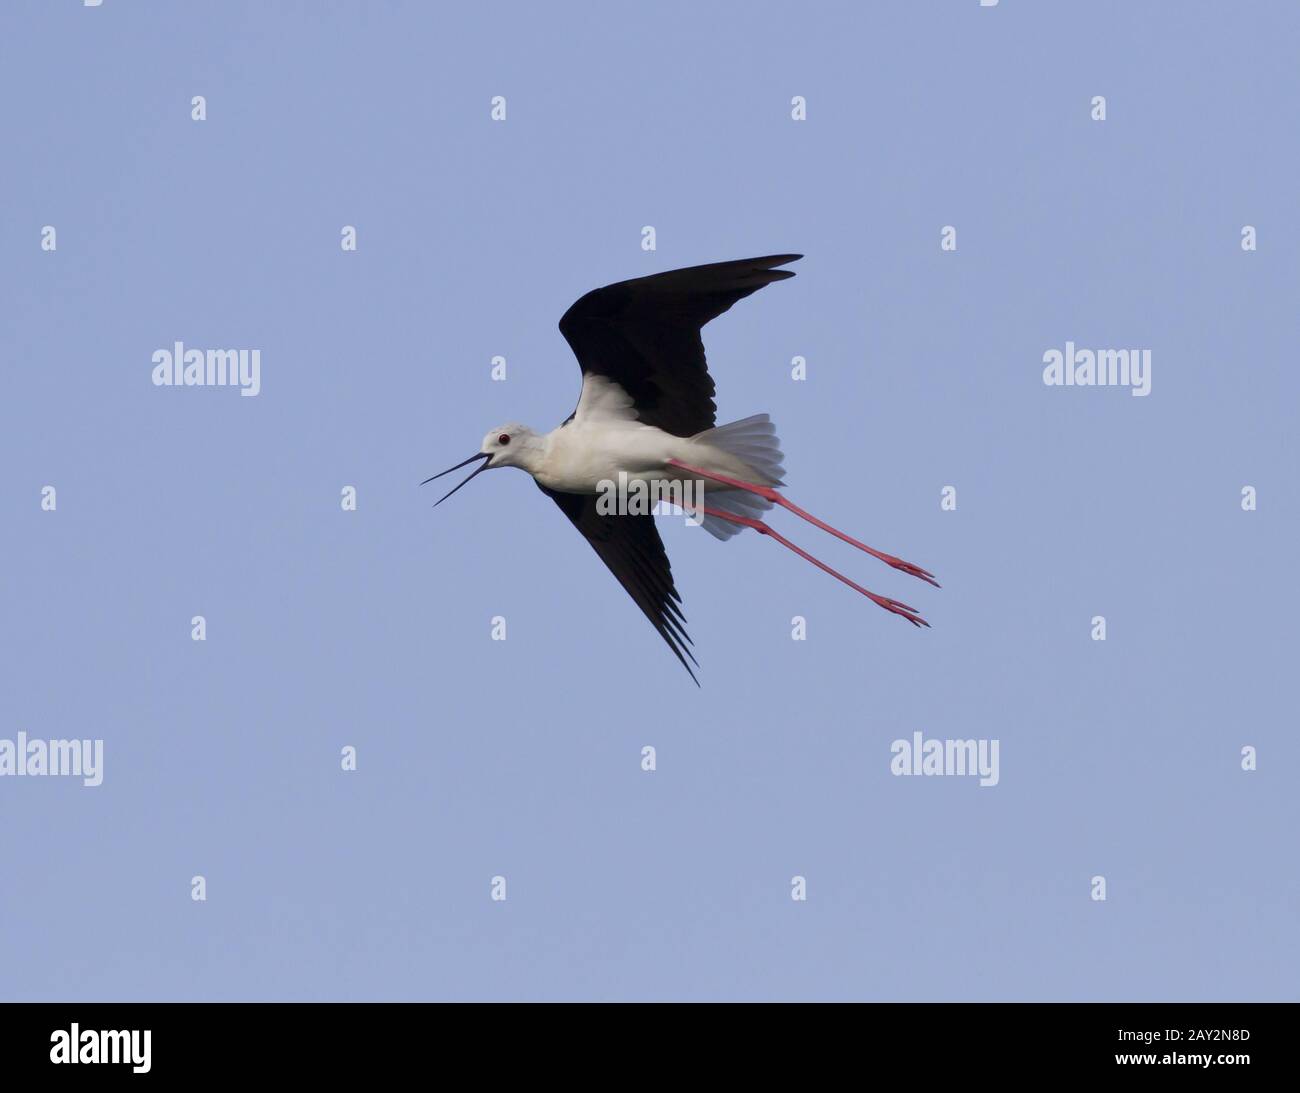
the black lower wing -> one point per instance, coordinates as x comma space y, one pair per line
631, 547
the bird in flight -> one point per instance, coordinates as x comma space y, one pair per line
646, 415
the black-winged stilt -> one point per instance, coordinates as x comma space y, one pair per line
646, 414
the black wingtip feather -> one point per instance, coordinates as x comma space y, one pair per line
633, 552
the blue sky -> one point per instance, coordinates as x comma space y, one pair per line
522, 758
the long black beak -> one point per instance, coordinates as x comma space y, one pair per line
485, 456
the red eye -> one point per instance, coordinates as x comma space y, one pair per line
503, 439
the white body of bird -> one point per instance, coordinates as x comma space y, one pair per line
584, 457
645, 417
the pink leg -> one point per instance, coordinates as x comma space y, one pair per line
909, 613
772, 495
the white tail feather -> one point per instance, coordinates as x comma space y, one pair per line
752, 440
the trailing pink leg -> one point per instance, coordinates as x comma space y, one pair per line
909, 613
772, 495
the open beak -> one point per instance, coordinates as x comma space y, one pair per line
485, 456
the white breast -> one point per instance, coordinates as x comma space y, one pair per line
580, 456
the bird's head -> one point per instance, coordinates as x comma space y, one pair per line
510, 445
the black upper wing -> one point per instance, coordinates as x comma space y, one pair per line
644, 335
631, 547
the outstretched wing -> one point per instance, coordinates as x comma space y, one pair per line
644, 335
631, 547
